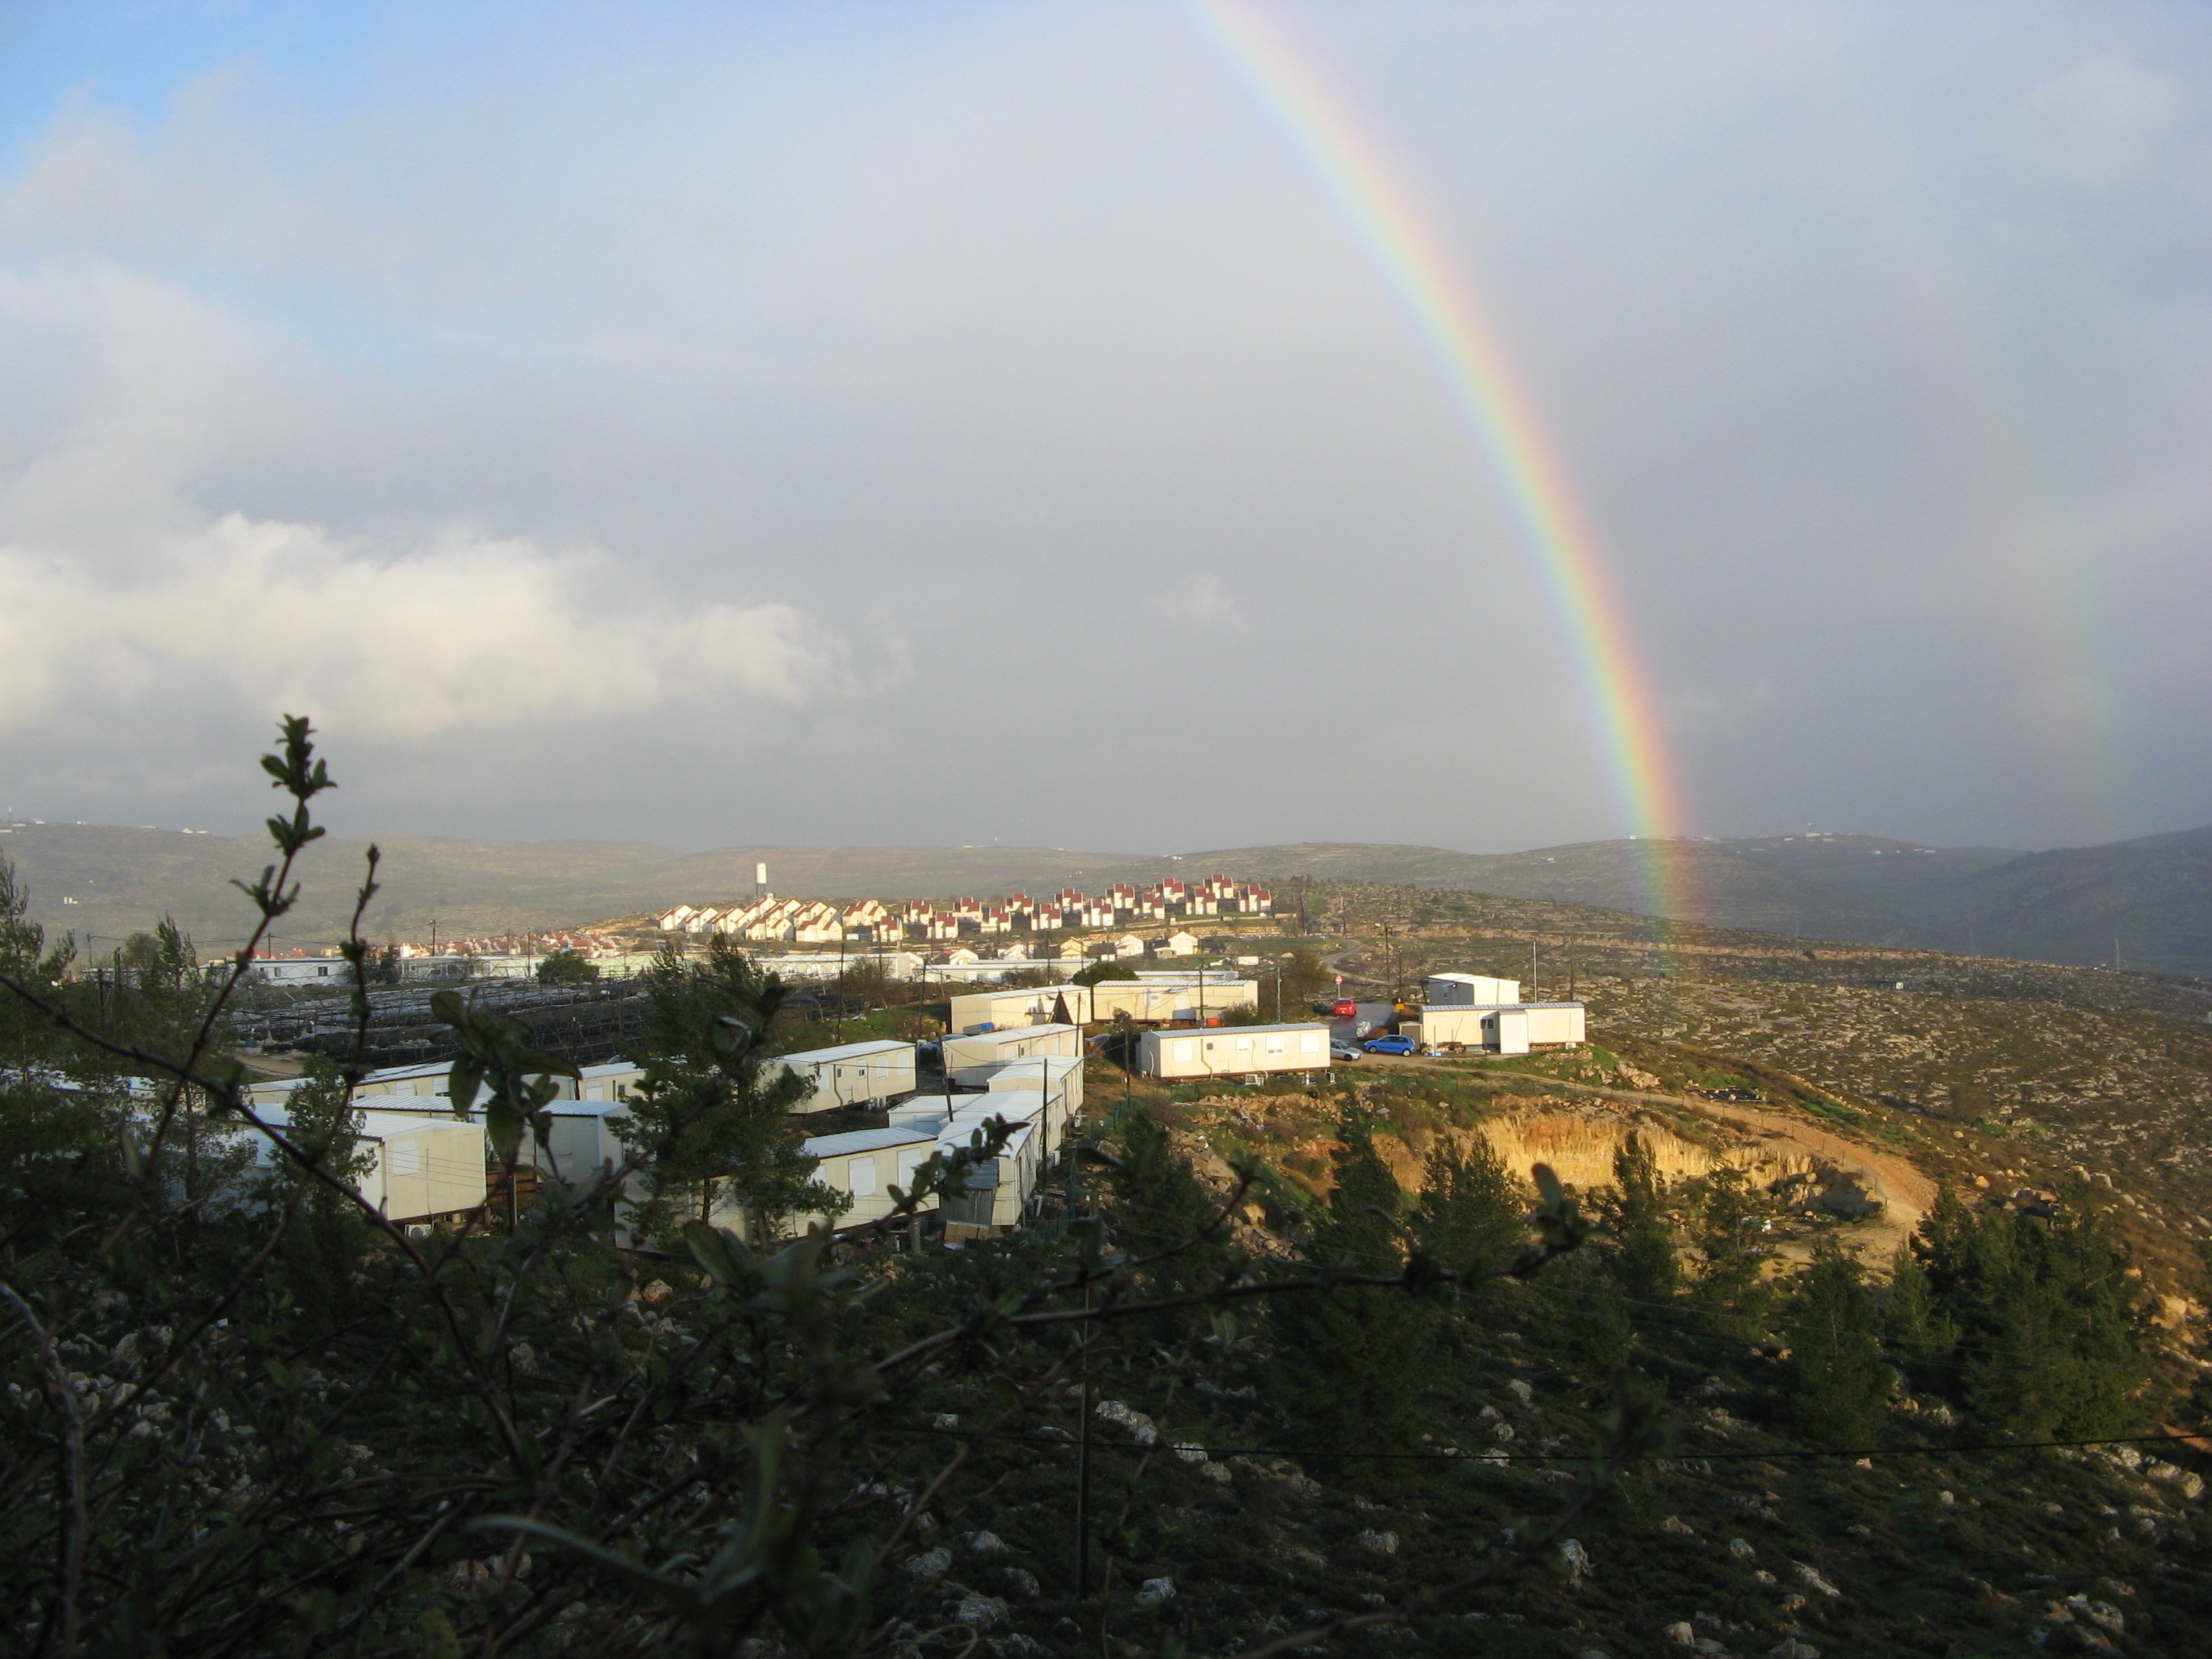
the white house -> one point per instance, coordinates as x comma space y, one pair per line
1233, 1051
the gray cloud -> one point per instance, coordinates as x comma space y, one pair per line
769, 432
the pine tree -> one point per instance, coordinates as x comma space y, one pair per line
2050, 1326
1732, 1251
1838, 1379
1471, 1211
1350, 1366
1583, 1314
1922, 1338
1643, 1253
714, 1107
1160, 1208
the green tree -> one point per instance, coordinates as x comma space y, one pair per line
1642, 1256
1582, 1314
1838, 1379
1472, 1211
1350, 1367
568, 968
25, 959
1159, 1208
1732, 1250
1304, 977
1916, 1331
324, 1244
2050, 1325
713, 1109
1105, 968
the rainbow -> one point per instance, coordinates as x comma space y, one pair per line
1389, 223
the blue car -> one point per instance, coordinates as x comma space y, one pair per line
1390, 1045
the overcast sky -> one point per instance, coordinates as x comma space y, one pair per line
948, 423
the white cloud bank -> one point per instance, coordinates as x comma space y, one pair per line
130, 584
462, 633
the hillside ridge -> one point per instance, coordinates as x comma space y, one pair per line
2148, 898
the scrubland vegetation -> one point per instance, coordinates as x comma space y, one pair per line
1277, 1370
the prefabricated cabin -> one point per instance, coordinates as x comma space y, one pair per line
853, 1075
1150, 1002
969, 1060
865, 1165
424, 1166
1470, 990
1037, 1005
1233, 1050
1512, 1029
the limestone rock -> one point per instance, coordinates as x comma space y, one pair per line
980, 1612
1141, 1428
1574, 1561
1155, 1594
1810, 1577
930, 1564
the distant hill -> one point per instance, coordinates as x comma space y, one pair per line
118, 881
2153, 895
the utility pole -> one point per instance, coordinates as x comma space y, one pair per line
1531, 970
1083, 1443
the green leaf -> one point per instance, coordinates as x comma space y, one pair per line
461, 1086
440, 1640
725, 1259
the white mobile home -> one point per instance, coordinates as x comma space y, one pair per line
424, 1166
865, 1165
1233, 1051
614, 1079
970, 1060
1036, 1005
1470, 990
1152, 1002
998, 1190
853, 1075
1512, 1029
1057, 1078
